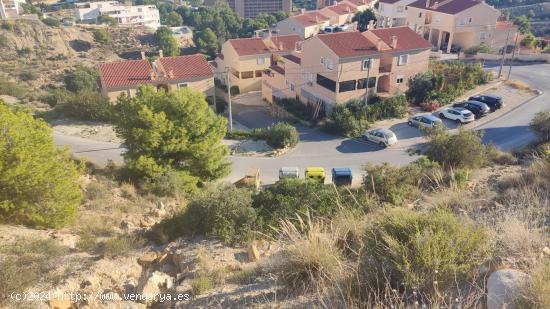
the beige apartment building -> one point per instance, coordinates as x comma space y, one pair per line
246, 59
251, 8
461, 23
340, 13
168, 73
359, 5
392, 13
331, 69
305, 24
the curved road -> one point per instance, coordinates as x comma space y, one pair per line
508, 131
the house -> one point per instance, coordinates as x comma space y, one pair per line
461, 23
246, 59
10, 9
168, 73
340, 13
305, 24
359, 5
144, 15
392, 13
251, 8
330, 69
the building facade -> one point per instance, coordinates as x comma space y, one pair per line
168, 73
10, 9
331, 69
392, 13
305, 24
143, 15
251, 8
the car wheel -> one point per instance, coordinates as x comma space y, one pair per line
410, 123
458, 120
382, 144
442, 116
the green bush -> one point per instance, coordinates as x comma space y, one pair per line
52, 22
12, 89
281, 135
541, 125
222, 211
461, 150
102, 36
86, 105
105, 19
38, 181
481, 48
422, 252
81, 78
168, 184
56, 97
28, 75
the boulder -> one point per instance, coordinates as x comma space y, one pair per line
546, 251
151, 284
147, 259
503, 288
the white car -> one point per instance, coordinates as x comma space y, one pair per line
382, 137
458, 114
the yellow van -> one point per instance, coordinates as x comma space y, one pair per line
316, 173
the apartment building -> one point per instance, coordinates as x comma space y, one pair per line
251, 8
340, 13
10, 9
331, 69
168, 73
143, 15
460, 23
305, 24
392, 13
246, 59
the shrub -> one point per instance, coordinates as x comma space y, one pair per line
461, 150
423, 252
3, 40
12, 89
106, 19
52, 22
8, 26
119, 246
102, 36
25, 50
168, 184
222, 211
281, 135
201, 284
86, 105
541, 125
536, 294
81, 78
56, 97
28, 75
38, 182
481, 48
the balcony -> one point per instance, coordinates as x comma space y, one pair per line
385, 68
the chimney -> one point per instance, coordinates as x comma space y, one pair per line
370, 25
160, 53
427, 3
143, 56
436, 4
394, 41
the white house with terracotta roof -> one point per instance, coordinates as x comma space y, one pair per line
461, 23
330, 69
143, 15
392, 13
339, 13
305, 24
168, 73
247, 58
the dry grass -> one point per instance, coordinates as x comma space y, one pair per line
536, 294
518, 84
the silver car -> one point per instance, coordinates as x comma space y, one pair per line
425, 121
382, 137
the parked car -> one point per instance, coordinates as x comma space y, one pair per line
477, 108
494, 102
382, 137
458, 114
315, 173
455, 49
425, 121
289, 172
331, 29
342, 176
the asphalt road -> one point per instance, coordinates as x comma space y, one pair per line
511, 130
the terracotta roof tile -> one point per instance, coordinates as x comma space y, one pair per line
309, 18
388, 1
447, 7
348, 44
288, 41
504, 25
249, 46
125, 73
341, 9
359, 2
185, 67
407, 39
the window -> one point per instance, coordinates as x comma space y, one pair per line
259, 73
400, 79
182, 85
326, 83
367, 64
482, 36
261, 60
235, 73
348, 85
403, 59
362, 83
247, 74
322, 60
420, 15
400, 9
470, 20
292, 87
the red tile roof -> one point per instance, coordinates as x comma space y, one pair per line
125, 73
250, 46
309, 18
348, 44
407, 39
185, 67
504, 25
293, 58
447, 7
122, 74
352, 44
341, 9
288, 41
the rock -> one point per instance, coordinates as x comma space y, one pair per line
147, 259
85, 283
503, 287
56, 303
546, 251
151, 284
253, 253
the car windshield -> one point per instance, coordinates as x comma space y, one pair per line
467, 114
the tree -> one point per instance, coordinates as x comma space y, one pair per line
167, 42
541, 125
102, 36
529, 41
81, 78
281, 15
174, 132
173, 19
523, 23
38, 182
461, 150
207, 42
363, 18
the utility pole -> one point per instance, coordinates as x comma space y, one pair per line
229, 103
503, 54
513, 55
367, 85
